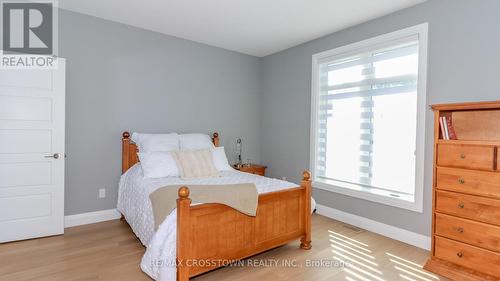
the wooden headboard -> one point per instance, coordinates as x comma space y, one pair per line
129, 150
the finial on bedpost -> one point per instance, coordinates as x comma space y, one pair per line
125, 151
306, 175
183, 192
215, 139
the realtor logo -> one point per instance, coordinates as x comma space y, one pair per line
27, 27
28, 34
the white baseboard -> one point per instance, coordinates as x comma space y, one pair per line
390, 231
91, 217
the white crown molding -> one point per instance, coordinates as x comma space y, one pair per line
91, 217
403, 235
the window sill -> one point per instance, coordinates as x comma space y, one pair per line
374, 195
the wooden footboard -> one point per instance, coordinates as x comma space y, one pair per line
212, 235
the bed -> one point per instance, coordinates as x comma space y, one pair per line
197, 238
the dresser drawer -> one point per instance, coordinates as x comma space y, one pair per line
467, 256
467, 181
468, 206
466, 156
471, 232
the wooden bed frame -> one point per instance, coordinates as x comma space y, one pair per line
213, 235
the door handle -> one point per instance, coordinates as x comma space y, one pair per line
55, 156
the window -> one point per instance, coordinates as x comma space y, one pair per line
368, 118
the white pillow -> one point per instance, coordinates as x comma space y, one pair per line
156, 142
158, 164
220, 159
195, 142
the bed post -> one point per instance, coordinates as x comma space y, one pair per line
215, 139
125, 151
305, 241
183, 233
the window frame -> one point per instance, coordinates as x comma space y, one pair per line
374, 43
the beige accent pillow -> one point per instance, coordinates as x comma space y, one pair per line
195, 163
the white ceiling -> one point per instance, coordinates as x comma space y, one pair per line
255, 27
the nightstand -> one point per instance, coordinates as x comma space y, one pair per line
253, 169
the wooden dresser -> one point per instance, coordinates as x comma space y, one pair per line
466, 193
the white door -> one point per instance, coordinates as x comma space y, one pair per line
32, 111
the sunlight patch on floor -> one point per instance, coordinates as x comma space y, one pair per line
349, 248
410, 270
350, 243
361, 264
348, 238
346, 258
407, 277
337, 249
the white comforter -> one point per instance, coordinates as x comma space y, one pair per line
133, 202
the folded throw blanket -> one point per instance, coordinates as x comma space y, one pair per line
242, 197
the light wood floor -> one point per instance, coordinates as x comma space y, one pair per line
110, 251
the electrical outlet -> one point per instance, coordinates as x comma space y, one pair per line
102, 192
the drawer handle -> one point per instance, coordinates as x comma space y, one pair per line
461, 181
460, 254
461, 205
460, 230
462, 156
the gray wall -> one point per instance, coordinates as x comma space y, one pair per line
464, 55
124, 78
